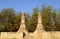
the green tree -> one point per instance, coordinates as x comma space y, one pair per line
27, 21
54, 19
34, 19
8, 16
31, 20
46, 18
17, 22
58, 22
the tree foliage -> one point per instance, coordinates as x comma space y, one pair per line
9, 21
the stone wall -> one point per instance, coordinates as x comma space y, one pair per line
43, 35
39, 35
11, 35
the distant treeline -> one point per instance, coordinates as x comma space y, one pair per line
10, 20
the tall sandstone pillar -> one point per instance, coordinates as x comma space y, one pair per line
39, 25
22, 25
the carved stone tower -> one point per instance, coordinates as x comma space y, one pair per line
39, 25
22, 25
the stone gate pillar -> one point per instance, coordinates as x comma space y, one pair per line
22, 25
39, 25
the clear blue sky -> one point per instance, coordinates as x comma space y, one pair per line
27, 5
